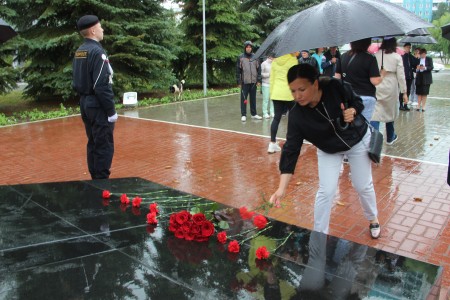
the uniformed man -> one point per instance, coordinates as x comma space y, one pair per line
92, 79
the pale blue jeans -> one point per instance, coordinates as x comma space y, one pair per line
369, 106
267, 104
361, 175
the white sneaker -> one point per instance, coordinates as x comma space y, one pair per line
273, 147
414, 104
256, 117
266, 116
243, 118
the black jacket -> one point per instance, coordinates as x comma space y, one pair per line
409, 64
91, 76
313, 124
425, 77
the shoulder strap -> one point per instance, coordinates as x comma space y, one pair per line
347, 65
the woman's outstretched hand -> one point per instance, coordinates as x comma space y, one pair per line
275, 199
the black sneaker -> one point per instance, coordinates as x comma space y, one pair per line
375, 230
406, 108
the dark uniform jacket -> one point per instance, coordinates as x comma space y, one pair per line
92, 76
409, 64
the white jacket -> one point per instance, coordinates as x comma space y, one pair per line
265, 72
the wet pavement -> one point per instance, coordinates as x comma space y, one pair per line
202, 147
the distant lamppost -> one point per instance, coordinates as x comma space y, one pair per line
204, 49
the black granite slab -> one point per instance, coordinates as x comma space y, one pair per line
63, 241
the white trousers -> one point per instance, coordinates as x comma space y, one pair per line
361, 175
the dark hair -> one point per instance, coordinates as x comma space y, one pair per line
360, 46
389, 45
407, 44
423, 50
305, 71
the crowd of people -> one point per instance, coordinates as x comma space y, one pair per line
312, 88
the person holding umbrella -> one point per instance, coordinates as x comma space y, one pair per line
393, 74
409, 63
361, 70
319, 103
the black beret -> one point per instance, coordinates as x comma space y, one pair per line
87, 21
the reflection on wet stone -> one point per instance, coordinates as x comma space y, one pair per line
81, 246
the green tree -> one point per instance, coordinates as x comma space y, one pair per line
226, 31
268, 14
8, 74
443, 45
139, 37
442, 9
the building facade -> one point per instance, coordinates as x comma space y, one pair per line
422, 8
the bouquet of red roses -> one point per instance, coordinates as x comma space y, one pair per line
191, 227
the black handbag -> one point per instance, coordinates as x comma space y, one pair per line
375, 145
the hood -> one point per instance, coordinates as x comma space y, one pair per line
282, 60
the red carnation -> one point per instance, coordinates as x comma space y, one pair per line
222, 237
124, 199
260, 221
151, 218
262, 253
154, 208
106, 194
233, 247
137, 201
245, 214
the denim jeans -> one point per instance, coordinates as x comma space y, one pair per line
390, 132
369, 106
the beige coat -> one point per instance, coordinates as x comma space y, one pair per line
387, 106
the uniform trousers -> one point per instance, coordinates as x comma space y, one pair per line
100, 146
361, 176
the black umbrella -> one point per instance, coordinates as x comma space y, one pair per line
418, 32
427, 39
6, 31
336, 22
446, 31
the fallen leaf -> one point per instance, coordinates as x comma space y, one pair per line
298, 183
168, 167
417, 199
340, 203
431, 144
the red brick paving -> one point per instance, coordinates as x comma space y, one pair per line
235, 169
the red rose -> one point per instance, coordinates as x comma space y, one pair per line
245, 101
151, 218
106, 194
179, 233
196, 229
186, 227
137, 201
262, 253
233, 247
198, 218
154, 208
124, 199
260, 221
207, 229
245, 214
189, 236
222, 237
182, 216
